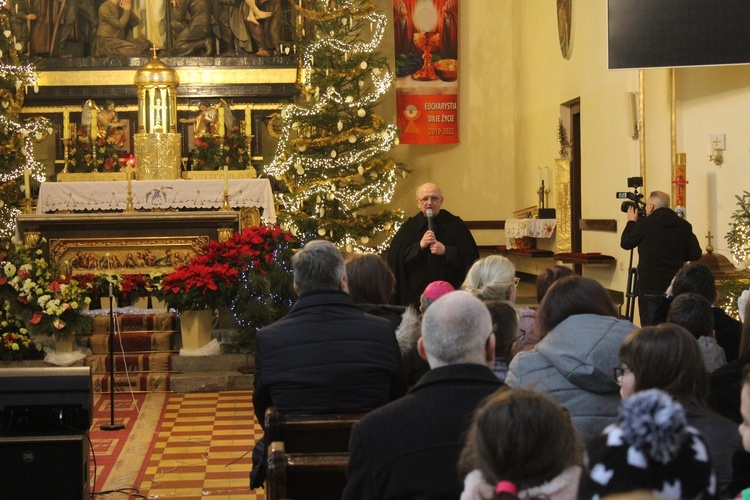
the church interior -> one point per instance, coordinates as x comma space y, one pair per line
545, 128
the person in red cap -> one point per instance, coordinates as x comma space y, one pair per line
432, 245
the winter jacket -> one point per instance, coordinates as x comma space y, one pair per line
573, 364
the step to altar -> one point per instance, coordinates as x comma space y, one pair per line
215, 373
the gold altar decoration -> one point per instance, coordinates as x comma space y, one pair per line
90, 176
124, 255
563, 201
250, 173
157, 143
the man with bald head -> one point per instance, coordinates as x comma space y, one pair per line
433, 245
409, 448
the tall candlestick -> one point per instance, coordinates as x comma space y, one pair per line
27, 182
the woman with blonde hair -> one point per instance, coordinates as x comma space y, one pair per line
494, 278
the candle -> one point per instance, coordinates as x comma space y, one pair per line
94, 124
66, 125
546, 177
226, 179
248, 129
27, 182
221, 121
539, 175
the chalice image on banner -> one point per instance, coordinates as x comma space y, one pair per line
427, 42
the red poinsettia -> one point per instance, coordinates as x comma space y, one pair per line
208, 280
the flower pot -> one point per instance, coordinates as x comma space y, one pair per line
158, 303
104, 301
195, 327
65, 343
140, 303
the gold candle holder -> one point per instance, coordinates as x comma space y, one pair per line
129, 206
225, 206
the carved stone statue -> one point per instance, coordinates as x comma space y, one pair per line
191, 28
115, 16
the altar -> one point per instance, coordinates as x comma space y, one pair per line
155, 195
140, 226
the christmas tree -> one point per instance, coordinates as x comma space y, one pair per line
332, 154
16, 137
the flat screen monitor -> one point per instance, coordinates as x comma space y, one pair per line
674, 33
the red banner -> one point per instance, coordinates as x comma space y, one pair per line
426, 34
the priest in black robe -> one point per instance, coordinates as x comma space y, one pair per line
419, 256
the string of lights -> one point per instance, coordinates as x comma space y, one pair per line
332, 153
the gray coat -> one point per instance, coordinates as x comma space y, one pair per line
573, 364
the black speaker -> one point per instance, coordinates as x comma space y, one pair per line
36, 401
45, 467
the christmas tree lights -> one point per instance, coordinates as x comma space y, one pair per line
16, 137
332, 154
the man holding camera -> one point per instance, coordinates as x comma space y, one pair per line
665, 242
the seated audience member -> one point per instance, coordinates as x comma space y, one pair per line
580, 334
410, 330
667, 357
545, 279
409, 448
505, 328
745, 424
502, 451
726, 382
494, 278
371, 285
698, 278
651, 447
693, 312
326, 355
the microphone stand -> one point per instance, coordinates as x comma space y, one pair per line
111, 426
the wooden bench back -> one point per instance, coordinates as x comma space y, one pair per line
308, 454
328, 433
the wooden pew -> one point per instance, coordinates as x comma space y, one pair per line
307, 454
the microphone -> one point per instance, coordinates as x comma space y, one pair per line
428, 213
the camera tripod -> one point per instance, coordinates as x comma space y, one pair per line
632, 290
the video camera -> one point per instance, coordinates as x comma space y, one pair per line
634, 199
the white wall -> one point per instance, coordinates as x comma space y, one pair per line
513, 82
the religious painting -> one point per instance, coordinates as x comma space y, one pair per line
123, 255
426, 34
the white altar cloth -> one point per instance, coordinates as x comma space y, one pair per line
156, 194
534, 228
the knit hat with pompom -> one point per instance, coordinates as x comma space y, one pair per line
651, 447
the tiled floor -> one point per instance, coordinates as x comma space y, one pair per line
204, 448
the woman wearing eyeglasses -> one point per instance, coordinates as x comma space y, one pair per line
668, 357
580, 334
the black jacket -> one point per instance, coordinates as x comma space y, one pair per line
326, 356
665, 242
409, 449
415, 268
